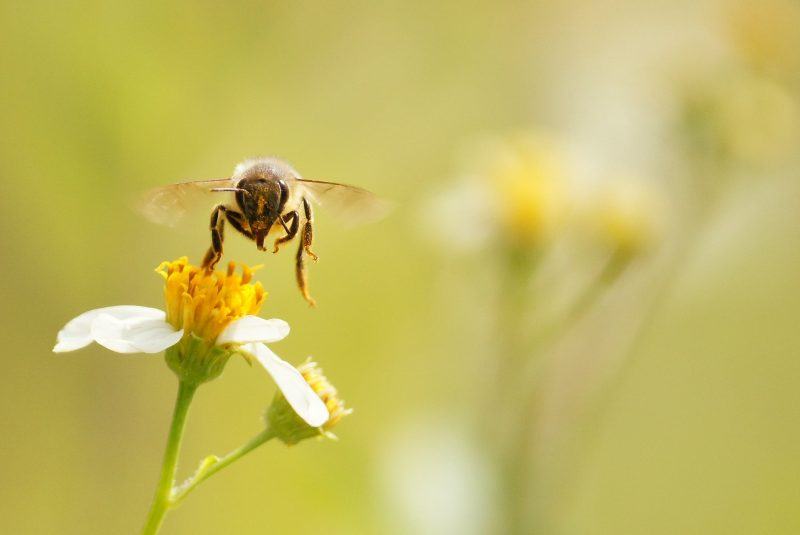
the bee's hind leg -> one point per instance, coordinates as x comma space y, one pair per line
217, 224
302, 275
308, 231
303, 248
291, 230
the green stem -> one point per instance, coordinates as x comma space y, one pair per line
161, 501
528, 512
542, 344
587, 432
512, 445
207, 470
522, 484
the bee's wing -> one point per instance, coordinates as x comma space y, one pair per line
166, 205
351, 204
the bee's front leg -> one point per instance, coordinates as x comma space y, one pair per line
237, 222
214, 253
291, 231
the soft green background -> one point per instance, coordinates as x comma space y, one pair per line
101, 100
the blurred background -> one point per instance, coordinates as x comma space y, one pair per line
581, 316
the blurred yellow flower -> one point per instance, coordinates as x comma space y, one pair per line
627, 216
759, 119
741, 117
526, 179
766, 34
513, 192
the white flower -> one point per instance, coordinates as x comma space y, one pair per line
136, 329
515, 191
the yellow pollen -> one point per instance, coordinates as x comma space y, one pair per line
204, 303
313, 375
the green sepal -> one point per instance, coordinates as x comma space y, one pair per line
286, 424
195, 361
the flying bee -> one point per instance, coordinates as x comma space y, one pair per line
264, 197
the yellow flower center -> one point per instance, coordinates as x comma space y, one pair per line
326, 391
528, 175
203, 302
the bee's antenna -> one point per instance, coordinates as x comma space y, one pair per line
231, 189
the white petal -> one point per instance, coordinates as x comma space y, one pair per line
78, 332
305, 402
253, 329
153, 336
137, 335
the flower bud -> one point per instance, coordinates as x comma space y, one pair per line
627, 216
290, 428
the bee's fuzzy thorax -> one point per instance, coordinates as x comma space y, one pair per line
264, 167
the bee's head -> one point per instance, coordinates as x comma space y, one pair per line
261, 201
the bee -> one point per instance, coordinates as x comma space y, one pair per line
264, 197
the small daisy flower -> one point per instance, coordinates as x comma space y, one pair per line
209, 317
528, 176
283, 421
627, 215
764, 34
514, 190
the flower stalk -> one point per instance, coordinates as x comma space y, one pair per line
162, 500
213, 464
519, 267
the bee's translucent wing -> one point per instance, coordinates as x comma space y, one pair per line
351, 204
166, 205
